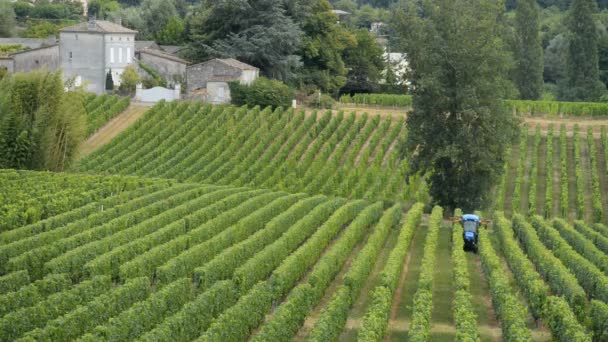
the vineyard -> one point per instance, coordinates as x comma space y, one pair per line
562, 172
521, 107
101, 109
344, 155
218, 223
129, 258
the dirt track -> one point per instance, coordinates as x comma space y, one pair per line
112, 129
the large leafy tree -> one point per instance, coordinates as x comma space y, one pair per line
364, 62
323, 43
458, 129
582, 81
528, 50
257, 32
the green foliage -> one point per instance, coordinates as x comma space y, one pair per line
465, 318
564, 199
551, 309
156, 16
364, 62
13, 281
42, 29
375, 321
582, 81
593, 235
7, 19
558, 277
255, 32
420, 329
102, 9
195, 316
528, 50
290, 316
144, 315
595, 178
578, 171
8, 49
263, 263
41, 126
29, 295
532, 191
97, 311
158, 79
16, 323
323, 44
109, 80
599, 317
458, 128
378, 99
262, 92
236, 323
548, 210
129, 80
102, 109
172, 33
589, 276
334, 316
506, 305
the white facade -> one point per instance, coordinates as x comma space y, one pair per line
119, 49
90, 49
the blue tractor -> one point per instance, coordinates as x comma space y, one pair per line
471, 224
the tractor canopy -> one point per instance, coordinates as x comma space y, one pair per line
471, 217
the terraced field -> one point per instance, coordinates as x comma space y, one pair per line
205, 223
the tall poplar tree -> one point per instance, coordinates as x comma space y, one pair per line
528, 50
458, 130
582, 81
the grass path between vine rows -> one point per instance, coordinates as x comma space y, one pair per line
113, 128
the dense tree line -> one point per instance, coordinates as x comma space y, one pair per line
41, 125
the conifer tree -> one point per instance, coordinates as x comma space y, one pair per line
582, 81
528, 50
109, 80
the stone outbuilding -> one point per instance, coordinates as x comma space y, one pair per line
170, 67
209, 80
46, 57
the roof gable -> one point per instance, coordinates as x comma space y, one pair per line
230, 62
99, 26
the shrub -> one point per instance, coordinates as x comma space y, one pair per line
262, 92
129, 80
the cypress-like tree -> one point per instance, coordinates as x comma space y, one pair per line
458, 130
528, 50
582, 81
109, 80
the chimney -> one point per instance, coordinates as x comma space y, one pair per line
119, 20
92, 23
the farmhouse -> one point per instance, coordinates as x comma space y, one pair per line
89, 50
209, 80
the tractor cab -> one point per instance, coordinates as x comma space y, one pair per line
471, 224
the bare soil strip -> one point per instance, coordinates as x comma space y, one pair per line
113, 128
